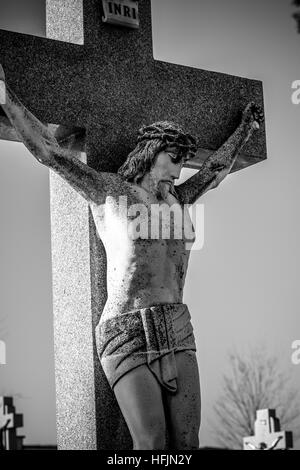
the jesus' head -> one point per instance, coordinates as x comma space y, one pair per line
162, 149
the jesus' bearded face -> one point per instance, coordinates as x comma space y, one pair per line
165, 171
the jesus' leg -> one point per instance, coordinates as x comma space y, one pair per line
183, 408
139, 396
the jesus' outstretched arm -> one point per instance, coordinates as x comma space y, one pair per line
42, 144
217, 166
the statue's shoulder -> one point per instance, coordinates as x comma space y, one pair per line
116, 186
112, 182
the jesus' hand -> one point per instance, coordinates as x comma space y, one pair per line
253, 116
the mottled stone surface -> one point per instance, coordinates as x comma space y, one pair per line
64, 20
75, 388
110, 86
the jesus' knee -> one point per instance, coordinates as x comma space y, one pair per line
185, 441
150, 441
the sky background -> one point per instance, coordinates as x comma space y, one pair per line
242, 287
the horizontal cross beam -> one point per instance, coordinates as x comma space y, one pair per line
111, 85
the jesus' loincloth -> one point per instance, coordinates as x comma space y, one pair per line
148, 336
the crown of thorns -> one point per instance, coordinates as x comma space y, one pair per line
171, 137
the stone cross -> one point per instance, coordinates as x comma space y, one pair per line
96, 93
9, 422
267, 435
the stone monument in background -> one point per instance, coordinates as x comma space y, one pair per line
10, 421
267, 435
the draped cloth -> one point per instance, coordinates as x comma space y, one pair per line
148, 336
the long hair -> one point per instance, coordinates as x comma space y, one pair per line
152, 140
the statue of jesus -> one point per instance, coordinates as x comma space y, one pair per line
144, 338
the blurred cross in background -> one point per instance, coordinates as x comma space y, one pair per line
296, 15
268, 435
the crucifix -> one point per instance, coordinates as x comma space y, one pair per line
267, 435
10, 421
94, 95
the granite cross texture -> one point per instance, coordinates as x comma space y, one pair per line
110, 85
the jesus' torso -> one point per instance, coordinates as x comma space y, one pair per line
146, 259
